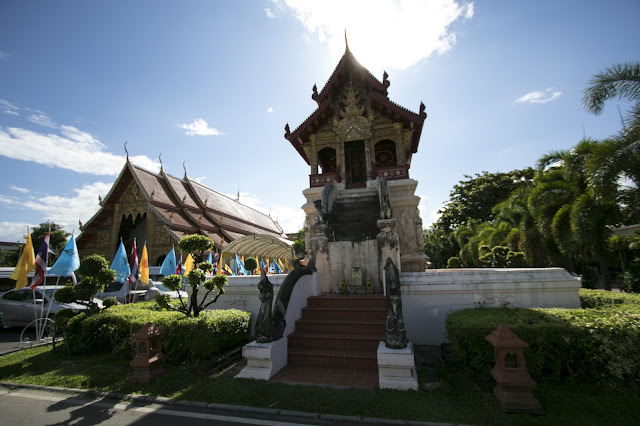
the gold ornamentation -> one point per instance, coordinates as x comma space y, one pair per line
369, 288
353, 125
343, 286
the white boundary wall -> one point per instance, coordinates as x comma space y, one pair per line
428, 297
242, 293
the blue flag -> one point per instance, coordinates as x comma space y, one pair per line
240, 266
276, 267
120, 264
210, 260
169, 264
68, 261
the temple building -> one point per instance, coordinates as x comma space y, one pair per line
160, 209
361, 204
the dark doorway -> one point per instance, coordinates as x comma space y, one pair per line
355, 163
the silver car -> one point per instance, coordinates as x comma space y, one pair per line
18, 308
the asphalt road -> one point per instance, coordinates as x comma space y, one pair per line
43, 407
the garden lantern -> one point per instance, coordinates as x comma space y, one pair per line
147, 364
514, 385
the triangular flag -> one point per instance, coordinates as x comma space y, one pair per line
41, 262
134, 265
189, 264
68, 261
144, 265
120, 264
25, 265
169, 264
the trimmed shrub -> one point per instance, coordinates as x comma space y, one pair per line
600, 299
185, 339
595, 345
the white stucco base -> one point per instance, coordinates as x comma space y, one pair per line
428, 297
397, 368
263, 359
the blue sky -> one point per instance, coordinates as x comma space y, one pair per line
212, 84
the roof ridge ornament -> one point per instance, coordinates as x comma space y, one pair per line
125, 149
185, 170
346, 42
161, 166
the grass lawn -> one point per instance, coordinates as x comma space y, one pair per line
458, 400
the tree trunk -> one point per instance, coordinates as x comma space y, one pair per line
604, 270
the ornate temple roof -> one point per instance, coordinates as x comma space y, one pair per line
186, 207
349, 67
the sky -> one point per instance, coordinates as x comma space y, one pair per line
208, 86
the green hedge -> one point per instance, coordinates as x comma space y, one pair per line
599, 298
596, 345
185, 339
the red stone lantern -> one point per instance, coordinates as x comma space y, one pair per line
514, 389
147, 364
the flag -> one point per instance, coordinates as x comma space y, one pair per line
134, 266
179, 265
216, 263
210, 260
144, 265
120, 264
68, 261
25, 265
289, 265
276, 267
169, 263
240, 266
41, 262
262, 266
281, 266
228, 270
189, 264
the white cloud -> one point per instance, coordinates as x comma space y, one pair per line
543, 97
199, 127
199, 179
72, 149
42, 120
413, 29
270, 109
14, 231
290, 220
269, 13
8, 107
19, 189
3, 55
65, 211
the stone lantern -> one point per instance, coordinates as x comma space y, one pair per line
514, 385
147, 364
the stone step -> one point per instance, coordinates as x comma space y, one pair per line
332, 358
341, 326
348, 300
336, 341
342, 313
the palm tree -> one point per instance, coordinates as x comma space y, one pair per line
620, 155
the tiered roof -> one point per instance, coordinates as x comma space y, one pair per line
187, 207
380, 101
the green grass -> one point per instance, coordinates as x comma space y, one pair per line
458, 400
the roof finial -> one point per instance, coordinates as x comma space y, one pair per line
185, 169
346, 43
161, 166
125, 150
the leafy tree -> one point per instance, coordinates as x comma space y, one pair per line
195, 245
57, 240
439, 245
454, 263
250, 264
95, 273
9, 257
299, 249
475, 197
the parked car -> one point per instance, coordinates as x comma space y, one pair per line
123, 292
157, 288
17, 306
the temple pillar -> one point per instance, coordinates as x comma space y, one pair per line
404, 204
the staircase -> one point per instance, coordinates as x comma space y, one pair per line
354, 218
336, 341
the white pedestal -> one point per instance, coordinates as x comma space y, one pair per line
397, 368
263, 359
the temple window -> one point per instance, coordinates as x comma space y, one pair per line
327, 160
385, 151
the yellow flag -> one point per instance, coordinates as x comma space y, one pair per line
189, 264
144, 265
281, 266
289, 265
26, 264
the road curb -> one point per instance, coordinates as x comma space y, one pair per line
238, 408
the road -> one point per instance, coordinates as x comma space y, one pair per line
43, 407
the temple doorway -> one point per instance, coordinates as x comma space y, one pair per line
355, 162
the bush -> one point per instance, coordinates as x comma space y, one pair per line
454, 263
185, 339
595, 345
600, 299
